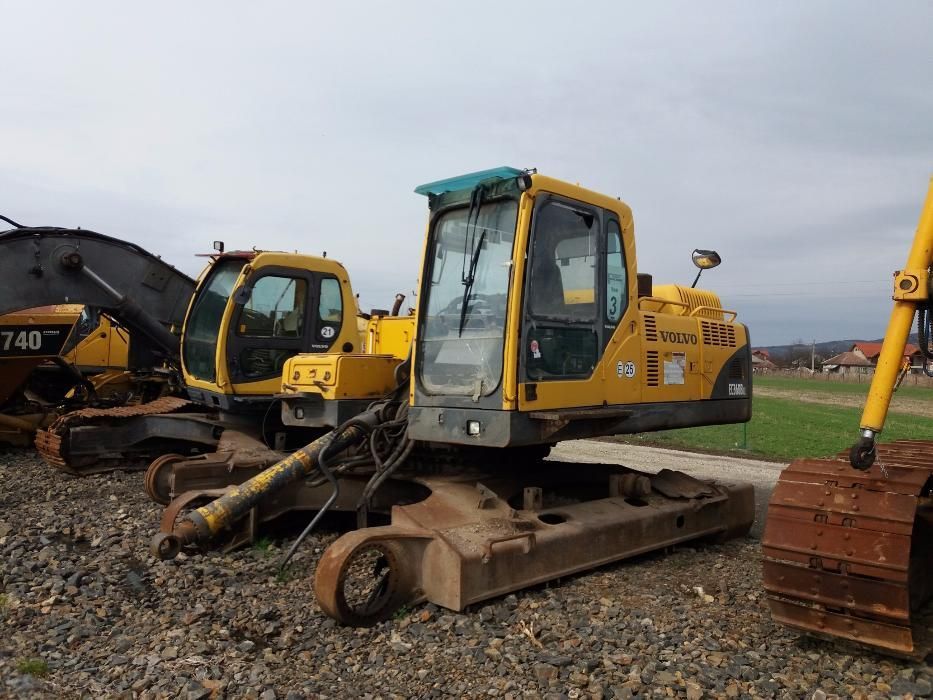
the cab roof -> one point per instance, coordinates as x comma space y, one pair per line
468, 181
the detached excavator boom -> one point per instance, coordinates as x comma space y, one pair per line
912, 296
848, 541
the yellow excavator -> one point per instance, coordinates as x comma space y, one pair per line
56, 358
848, 541
247, 314
532, 327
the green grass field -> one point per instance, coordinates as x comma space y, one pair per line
835, 387
783, 429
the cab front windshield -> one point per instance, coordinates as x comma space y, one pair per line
469, 262
203, 327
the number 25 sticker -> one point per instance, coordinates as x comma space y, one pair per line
626, 369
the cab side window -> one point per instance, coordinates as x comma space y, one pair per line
616, 278
330, 309
563, 264
561, 329
276, 308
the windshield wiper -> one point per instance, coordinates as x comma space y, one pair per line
468, 282
476, 204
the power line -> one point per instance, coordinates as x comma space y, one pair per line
820, 283
806, 295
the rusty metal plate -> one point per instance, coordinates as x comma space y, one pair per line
868, 510
469, 540
674, 484
895, 639
879, 554
876, 598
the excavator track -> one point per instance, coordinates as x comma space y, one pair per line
51, 443
847, 553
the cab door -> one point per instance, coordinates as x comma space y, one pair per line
279, 313
576, 294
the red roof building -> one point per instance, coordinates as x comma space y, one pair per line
870, 351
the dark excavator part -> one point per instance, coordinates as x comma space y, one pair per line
92, 440
45, 266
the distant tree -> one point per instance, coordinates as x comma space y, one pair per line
799, 354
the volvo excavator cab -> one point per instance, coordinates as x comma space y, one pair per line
532, 329
251, 312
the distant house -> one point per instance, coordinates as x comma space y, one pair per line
850, 362
761, 361
760, 364
871, 352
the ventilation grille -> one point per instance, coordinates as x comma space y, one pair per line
721, 334
651, 329
653, 369
737, 369
698, 302
697, 298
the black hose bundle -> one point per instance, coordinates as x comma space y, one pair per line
924, 333
387, 448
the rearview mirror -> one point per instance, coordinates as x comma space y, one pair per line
706, 259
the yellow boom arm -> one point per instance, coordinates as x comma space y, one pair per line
911, 290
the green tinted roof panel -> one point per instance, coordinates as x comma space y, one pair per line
468, 181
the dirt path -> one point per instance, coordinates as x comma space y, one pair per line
900, 404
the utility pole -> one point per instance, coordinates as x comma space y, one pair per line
813, 355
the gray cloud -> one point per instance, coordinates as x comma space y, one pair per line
795, 138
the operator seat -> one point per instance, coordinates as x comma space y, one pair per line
547, 286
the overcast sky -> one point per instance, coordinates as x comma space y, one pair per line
795, 138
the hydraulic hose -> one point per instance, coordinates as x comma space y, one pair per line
201, 525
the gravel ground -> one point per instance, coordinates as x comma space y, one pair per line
86, 612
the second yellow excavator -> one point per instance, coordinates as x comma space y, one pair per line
248, 313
